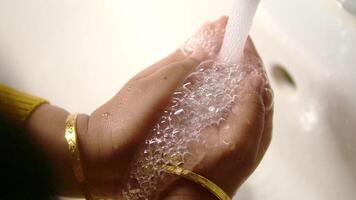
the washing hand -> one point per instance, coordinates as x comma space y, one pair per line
236, 146
109, 138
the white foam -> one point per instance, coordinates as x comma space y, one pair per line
204, 99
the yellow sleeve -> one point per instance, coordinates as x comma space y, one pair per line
17, 106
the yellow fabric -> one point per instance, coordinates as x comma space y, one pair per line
17, 106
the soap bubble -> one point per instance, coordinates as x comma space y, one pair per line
204, 99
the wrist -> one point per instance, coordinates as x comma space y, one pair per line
82, 129
46, 128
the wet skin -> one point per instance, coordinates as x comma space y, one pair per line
109, 137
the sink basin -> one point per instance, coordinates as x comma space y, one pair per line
90, 48
312, 155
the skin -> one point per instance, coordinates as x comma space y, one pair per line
109, 137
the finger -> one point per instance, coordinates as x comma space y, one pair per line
242, 134
145, 98
168, 79
250, 47
176, 56
247, 119
266, 135
252, 58
267, 132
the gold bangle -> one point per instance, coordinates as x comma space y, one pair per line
206, 183
71, 137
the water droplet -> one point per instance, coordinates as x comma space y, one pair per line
204, 99
106, 115
211, 108
179, 111
186, 85
158, 140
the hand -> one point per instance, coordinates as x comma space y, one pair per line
235, 147
116, 129
110, 136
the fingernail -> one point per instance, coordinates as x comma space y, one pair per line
268, 98
257, 83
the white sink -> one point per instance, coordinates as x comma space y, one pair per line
46, 47
312, 155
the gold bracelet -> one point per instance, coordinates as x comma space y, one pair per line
71, 137
206, 183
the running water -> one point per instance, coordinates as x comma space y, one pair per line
204, 99
237, 30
